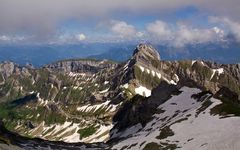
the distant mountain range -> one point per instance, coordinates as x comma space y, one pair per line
40, 55
227, 53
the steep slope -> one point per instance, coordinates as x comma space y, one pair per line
13, 141
188, 120
54, 102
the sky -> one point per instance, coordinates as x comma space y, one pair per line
173, 22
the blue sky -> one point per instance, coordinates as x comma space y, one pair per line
189, 13
176, 22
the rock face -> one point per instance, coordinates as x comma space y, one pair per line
234, 70
140, 109
93, 101
144, 52
84, 66
7, 68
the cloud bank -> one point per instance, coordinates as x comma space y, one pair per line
44, 15
233, 26
40, 20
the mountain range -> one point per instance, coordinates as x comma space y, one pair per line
143, 102
40, 55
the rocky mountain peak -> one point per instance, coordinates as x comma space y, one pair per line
145, 52
7, 68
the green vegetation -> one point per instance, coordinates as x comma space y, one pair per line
167, 146
1, 78
146, 78
204, 106
87, 59
129, 92
52, 117
8, 92
26, 83
99, 111
204, 72
230, 82
41, 84
6, 111
12, 113
65, 80
155, 63
152, 146
10, 125
165, 132
185, 64
85, 132
62, 95
4, 140
227, 107
75, 95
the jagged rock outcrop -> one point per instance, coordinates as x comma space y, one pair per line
144, 53
234, 70
140, 109
7, 68
84, 66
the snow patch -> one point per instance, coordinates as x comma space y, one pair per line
219, 71
193, 62
103, 91
88, 108
31, 92
141, 90
148, 71
142, 68
125, 67
125, 86
101, 135
159, 75
177, 78
106, 82
153, 73
73, 74
204, 131
173, 82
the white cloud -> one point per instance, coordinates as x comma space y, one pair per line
4, 38
80, 37
43, 17
182, 34
7, 38
159, 29
233, 26
187, 35
219, 31
140, 34
123, 29
67, 38
162, 32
